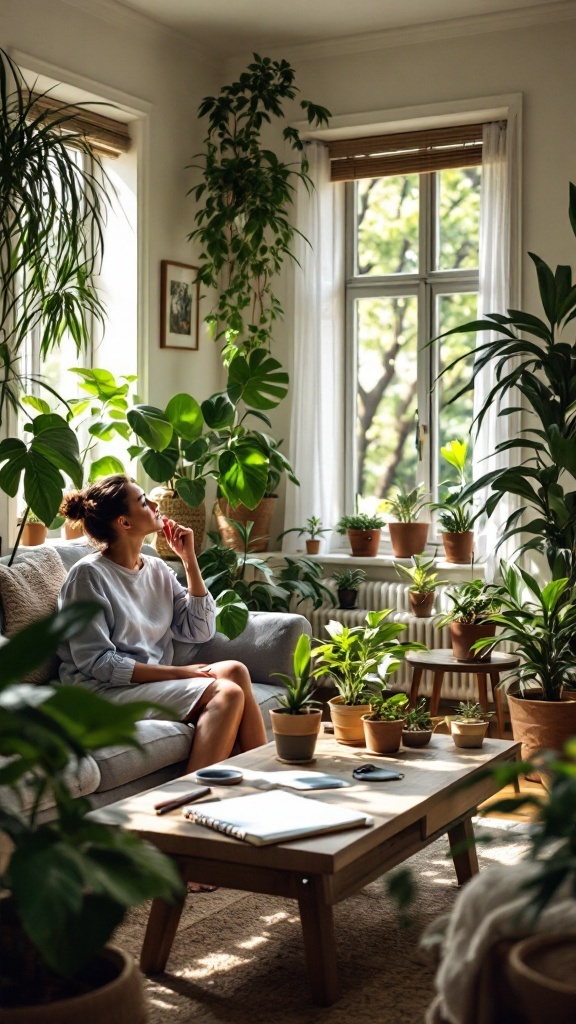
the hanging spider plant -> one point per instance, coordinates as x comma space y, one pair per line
52, 212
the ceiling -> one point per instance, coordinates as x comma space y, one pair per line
227, 27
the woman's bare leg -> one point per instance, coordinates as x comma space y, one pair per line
251, 731
221, 709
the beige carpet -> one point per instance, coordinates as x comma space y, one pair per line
239, 958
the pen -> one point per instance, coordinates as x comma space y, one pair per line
169, 805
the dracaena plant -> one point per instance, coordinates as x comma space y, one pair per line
405, 506
455, 513
243, 202
533, 362
300, 688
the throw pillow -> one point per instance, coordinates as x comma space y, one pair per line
29, 590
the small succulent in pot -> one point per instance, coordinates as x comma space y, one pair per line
470, 724
384, 723
418, 727
347, 583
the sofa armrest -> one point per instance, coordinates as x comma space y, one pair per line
267, 645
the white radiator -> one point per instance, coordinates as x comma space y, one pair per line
377, 594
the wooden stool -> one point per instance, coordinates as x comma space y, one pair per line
442, 660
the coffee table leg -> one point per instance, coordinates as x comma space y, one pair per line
466, 859
160, 931
319, 942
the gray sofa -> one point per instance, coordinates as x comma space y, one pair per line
266, 646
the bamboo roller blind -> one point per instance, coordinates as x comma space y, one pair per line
104, 135
406, 152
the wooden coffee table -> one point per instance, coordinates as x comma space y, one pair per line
318, 873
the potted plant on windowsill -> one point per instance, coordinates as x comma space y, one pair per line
408, 536
347, 583
384, 722
423, 584
469, 725
456, 515
313, 531
296, 723
472, 619
363, 533
352, 656
34, 531
67, 882
418, 727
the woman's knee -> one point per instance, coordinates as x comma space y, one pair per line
236, 672
228, 694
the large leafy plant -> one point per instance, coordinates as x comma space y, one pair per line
244, 200
241, 582
533, 360
472, 603
70, 880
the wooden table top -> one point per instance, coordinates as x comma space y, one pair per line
430, 793
443, 658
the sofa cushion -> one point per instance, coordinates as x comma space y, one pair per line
29, 590
164, 743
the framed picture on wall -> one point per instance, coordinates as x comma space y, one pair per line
179, 299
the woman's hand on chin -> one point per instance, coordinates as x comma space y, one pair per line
179, 538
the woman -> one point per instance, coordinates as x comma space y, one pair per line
126, 652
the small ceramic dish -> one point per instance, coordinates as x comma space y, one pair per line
220, 776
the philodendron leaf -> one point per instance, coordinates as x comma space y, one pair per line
160, 466
185, 416
191, 491
58, 443
106, 466
242, 475
151, 425
231, 614
43, 487
218, 411
258, 380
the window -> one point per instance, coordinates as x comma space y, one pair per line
412, 240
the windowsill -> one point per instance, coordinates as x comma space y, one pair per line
382, 563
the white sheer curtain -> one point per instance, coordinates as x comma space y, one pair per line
496, 290
317, 389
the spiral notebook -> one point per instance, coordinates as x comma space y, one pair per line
274, 817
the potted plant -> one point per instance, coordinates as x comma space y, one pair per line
313, 531
408, 537
423, 584
541, 623
363, 533
241, 582
352, 656
418, 726
384, 722
472, 618
470, 724
33, 530
347, 583
296, 723
455, 513
66, 882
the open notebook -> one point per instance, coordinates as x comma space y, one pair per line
274, 817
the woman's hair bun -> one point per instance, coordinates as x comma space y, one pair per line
73, 506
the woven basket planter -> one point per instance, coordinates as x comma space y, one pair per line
261, 516
171, 505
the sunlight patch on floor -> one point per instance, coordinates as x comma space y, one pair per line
218, 962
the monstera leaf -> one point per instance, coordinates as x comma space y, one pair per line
258, 380
52, 451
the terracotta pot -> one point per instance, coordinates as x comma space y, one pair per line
466, 733
171, 505
541, 724
541, 973
464, 634
382, 737
119, 997
459, 547
421, 604
347, 720
261, 516
295, 735
72, 529
364, 543
347, 598
33, 534
416, 737
408, 538
312, 547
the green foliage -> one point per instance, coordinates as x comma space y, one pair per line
384, 708
541, 623
51, 220
300, 688
456, 512
472, 711
70, 880
419, 719
243, 202
312, 529
360, 521
354, 652
422, 578
406, 506
473, 602
348, 579
225, 573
